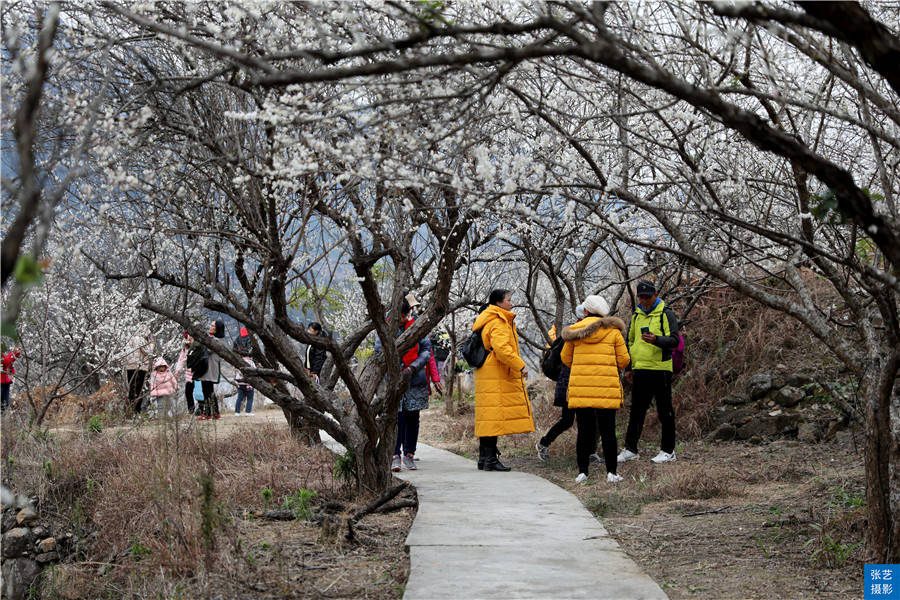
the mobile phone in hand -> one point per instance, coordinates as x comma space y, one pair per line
645, 330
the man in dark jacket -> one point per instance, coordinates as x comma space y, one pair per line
652, 335
315, 357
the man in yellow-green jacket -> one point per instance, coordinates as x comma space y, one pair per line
652, 335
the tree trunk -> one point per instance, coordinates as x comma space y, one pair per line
300, 429
882, 460
373, 457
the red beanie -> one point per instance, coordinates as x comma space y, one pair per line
244, 332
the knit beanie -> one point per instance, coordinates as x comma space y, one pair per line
596, 305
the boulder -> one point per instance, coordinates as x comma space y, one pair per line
759, 385
9, 520
18, 576
767, 426
17, 541
788, 396
725, 432
46, 545
736, 399
27, 516
798, 380
734, 415
47, 557
811, 432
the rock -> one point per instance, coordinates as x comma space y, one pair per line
845, 437
39, 532
17, 541
735, 399
789, 396
725, 432
18, 576
759, 385
766, 426
811, 432
27, 516
47, 557
798, 380
46, 545
9, 520
735, 416
833, 428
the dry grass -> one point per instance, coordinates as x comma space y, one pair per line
149, 527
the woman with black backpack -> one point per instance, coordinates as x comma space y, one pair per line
501, 401
567, 416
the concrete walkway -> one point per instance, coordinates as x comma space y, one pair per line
493, 536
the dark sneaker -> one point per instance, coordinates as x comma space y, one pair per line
409, 462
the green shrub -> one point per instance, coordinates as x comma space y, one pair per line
299, 502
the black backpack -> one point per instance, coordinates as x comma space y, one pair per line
551, 360
473, 350
197, 360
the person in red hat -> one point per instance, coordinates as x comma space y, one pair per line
242, 344
8, 369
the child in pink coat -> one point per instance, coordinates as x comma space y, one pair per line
162, 387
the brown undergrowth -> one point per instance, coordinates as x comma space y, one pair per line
173, 511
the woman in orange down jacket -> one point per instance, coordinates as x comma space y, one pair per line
501, 402
595, 351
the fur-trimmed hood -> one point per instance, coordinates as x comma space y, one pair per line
590, 326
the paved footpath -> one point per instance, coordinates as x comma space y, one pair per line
492, 536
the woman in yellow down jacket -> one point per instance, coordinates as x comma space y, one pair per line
595, 351
501, 402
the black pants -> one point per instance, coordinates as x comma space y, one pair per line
136, 379
647, 386
566, 419
189, 396
590, 422
407, 431
210, 406
487, 446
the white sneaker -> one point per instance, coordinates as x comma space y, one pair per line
582, 478
613, 478
663, 457
248, 414
596, 458
625, 455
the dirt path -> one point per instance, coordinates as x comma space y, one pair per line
227, 425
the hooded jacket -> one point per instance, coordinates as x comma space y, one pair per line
595, 351
501, 401
161, 384
8, 369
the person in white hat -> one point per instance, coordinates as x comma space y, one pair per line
413, 303
567, 416
595, 352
